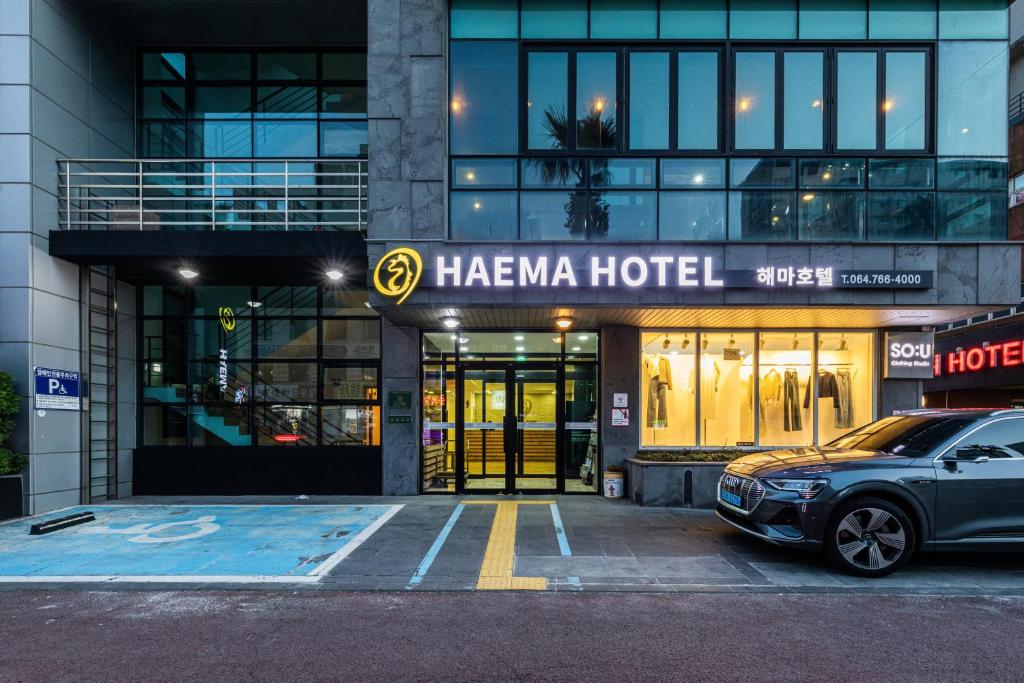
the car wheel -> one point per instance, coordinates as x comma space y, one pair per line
869, 537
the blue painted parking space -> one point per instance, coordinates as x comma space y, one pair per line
191, 543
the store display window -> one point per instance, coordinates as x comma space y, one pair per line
740, 389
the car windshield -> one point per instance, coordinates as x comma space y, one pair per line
909, 435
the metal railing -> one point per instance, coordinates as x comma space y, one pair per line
1016, 107
203, 194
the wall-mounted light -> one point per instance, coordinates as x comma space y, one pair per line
450, 323
334, 274
563, 323
188, 273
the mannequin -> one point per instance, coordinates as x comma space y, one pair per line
658, 371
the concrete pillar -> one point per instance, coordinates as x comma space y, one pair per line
620, 374
400, 442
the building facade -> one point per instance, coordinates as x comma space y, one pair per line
419, 246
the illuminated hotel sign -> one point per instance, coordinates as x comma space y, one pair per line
398, 273
986, 356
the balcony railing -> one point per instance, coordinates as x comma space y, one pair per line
1016, 108
203, 194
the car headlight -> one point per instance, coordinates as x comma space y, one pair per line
807, 488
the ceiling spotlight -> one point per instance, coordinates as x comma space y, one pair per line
519, 337
335, 274
583, 337
520, 349
575, 348
563, 323
450, 323
254, 304
188, 273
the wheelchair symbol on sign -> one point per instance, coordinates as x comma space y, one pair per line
148, 533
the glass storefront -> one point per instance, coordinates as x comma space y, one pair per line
509, 412
727, 389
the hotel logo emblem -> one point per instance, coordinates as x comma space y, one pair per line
398, 273
227, 318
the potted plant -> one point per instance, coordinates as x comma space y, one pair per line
685, 478
11, 463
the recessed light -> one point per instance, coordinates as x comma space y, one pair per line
335, 274
583, 337
254, 304
575, 348
564, 323
450, 323
188, 273
520, 348
519, 337
463, 340
454, 337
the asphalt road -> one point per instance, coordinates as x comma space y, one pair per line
227, 636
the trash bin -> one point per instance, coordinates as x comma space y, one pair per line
614, 483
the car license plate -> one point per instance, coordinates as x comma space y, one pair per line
731, 498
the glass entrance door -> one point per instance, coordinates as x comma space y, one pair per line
484, 406
538, 414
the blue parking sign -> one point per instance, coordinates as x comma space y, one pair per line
58, 389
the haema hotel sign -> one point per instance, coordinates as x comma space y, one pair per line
985, 356
400, 271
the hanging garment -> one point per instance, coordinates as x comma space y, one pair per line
658, 366
771, 388
844, 400
709, 376
826, 388
792, 420
657, 403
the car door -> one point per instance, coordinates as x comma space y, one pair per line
982, 499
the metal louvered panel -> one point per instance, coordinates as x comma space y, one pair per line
99, 358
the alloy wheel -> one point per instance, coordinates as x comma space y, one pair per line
871, 538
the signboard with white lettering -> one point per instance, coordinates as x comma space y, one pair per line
57, 389
909, 355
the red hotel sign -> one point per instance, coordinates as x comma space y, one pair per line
1008, 354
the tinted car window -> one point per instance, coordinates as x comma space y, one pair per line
911, 436
1005, 435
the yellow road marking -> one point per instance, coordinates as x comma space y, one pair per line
496, 572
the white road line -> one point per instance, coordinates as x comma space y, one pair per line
332, 561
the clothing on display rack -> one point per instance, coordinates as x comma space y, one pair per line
762, 412
792, 420
771, 388
839, 388
659, 383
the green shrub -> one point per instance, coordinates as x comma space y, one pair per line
724, 455
10, 462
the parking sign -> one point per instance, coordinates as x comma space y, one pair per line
58, 389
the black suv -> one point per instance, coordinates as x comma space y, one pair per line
926, 479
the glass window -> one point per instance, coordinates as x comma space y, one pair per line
648, 95
485, 216
286, 102
220, 139
761, 173
694, 173
972, 216
163, 66
216, 382
344, 66
285, 301
469, 173
904, 106
350, 383
691, 216
698, 100
340, 301
889, 19
162, 140
972, 174
343, 139
910, 436
287, 338
668, 402
832, 173
1004, 435
973, 19
845, 383
901, 216
804, 100
622, 172
762, 19
693, 19
286, 382
623, 18
553, 215
209, 300
972, 97
283, 425
786, 364
554, 18
835, 216
755, 100
857, 100
555, 172
762, 216
222, 103
164, 426
840, 19
343, 101
163, 300
351, 339
485, 19
630, 216
596, 105
286, 66
726, 382
580, 443
484, 83
547, 105
898, 174
286, 139
439, 345
225, 425
222, 66
351, 426
163, 102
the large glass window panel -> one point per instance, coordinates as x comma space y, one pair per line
905, 104
470, 173
727, 378
222, 66
857, 100
762, 18
163, 102
210, 338
351, 339
286, 382
485, 19
898, 174
219, 425
693, 173
272, 301
286, 425
162, 140
833, 19
890, 19
343, 139
344, 66
350, 383
762, 216
901, 216
554, 18
762, 173
668, 399
339, 300
972, 174
698, 100
555, 172
833, 216
164, 382
553, 215
973, 19
622, 172
485, 216
216, 382
484, 83
972, 216
286, 338
972, 97
693, 19
159, 300
209, 299
846, 387
438, 438
164, 66
220, 139
286, 138
804, 100
648, 94
278, 102
596, 104
222, 102
546, 104
786, 365
580, 441
691, 216
164, 426
351, 425
343, 101
832, 173
626, 216
286, 66
623, 18
755, 100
